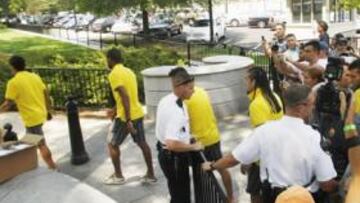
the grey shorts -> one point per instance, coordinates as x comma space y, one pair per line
118, 132
37, 130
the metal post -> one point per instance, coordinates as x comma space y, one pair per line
188, 53
101, 45
79, 155
211, 18
67, 34
115, 39
87, 36
134, 40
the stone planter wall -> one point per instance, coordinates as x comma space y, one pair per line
223, 77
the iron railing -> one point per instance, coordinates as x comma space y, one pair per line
90, 87
206, 187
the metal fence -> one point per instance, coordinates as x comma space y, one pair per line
206, 187
90, 87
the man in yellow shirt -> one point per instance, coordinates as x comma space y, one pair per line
127, 117
203, 127
31, 97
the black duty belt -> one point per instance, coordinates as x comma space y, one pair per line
162, 149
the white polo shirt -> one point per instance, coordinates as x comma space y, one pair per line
290, 151
172, 120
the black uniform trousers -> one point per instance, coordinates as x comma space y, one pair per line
175, 167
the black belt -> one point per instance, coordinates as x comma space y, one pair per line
161, 148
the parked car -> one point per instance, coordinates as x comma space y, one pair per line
236, 20
268, 21
164, 29
200, 30
103, 24
123, 25
84, 21
261, 21
61, 21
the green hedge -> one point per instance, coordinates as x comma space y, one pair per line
46, 53
5, 74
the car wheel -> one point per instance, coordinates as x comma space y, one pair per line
261, 24
234, 23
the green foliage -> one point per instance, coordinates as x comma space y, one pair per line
40, 52
30, 6
2, 26
350, 4
5, 74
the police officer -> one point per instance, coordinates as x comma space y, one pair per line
173, 134
289, 151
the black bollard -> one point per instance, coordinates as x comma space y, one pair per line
79, 155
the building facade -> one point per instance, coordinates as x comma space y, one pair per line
298, 12
306, 11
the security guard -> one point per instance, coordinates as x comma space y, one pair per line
173, 134
289, 151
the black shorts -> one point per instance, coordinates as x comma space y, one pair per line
36, 130
213, 152
254, 182
118, 132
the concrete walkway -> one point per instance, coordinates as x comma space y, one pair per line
95, 131
42, 185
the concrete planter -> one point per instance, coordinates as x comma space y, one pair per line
222, 76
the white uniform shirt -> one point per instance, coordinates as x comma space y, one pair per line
290, 151
172, 121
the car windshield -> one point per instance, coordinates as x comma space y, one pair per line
201, 23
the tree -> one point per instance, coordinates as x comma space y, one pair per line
4, 7
350, 4
30, 6
108, 7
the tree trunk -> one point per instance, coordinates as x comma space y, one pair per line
211, 18
145, 18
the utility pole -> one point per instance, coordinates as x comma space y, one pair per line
211, 18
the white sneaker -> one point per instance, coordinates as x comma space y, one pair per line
113, 180
146, 179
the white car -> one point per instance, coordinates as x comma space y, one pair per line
124, 26
200, 30
236, 20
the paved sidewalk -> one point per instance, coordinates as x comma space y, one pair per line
43, 185
95, 132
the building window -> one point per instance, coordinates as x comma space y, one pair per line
304, 11
318, 5
296, 11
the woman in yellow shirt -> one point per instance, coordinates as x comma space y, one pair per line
264, 106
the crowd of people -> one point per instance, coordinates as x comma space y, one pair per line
304, 142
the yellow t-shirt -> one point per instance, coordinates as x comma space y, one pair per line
357, 101
27, 91
124, 77
260, 110
203, 123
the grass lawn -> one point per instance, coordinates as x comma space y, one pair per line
42, 52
